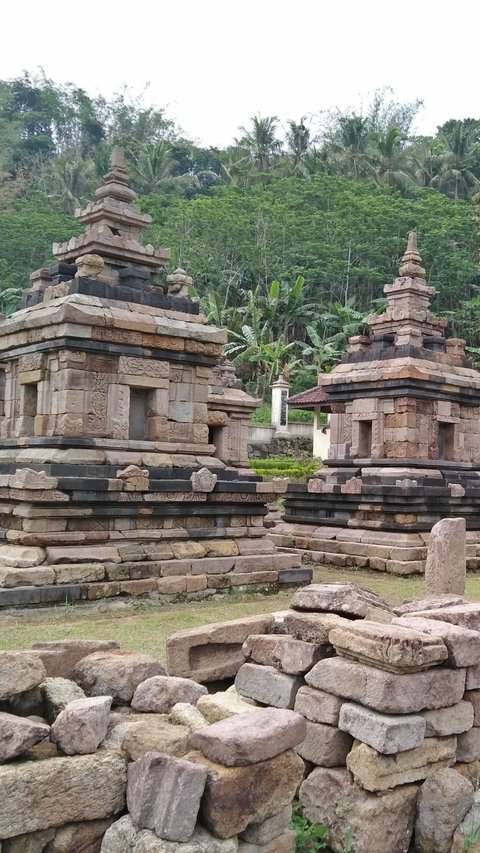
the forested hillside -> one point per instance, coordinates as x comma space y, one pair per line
289, 234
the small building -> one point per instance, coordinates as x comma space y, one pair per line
315, 400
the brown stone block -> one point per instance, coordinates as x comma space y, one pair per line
138, 587
399, 567
197, 583
163, 342
172, 585
96, 591
240, 579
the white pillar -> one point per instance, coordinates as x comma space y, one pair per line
321, 436
279, 418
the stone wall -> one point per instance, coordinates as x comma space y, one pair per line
298, 447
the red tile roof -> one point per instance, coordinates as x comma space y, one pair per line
311, 397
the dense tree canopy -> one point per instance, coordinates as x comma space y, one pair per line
290, 232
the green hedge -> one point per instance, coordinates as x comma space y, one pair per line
294, 469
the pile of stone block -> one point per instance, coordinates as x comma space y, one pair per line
113, 755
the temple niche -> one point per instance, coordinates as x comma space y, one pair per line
405, 440
124, 433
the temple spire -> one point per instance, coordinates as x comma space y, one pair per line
411, 265
116, 180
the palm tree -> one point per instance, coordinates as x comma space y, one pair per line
459, 171
425, 160
261, 142
349, 145
153, 165
388, 160
298, 142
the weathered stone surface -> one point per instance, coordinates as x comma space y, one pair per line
431, 602
473, 677
388, 692
468, 830
248, 738
344, 598
387, 733
184, 714
20, 556
80, 728
17, 734
155, 735
325, 746
203, 480
164, 793
448, 721
213, 652
19, 671
473, 696
390, 647
82, 787
284, 843
284, 653
468, 745
378, 823
267, 685
116, 674
446, 565
312, 627
220, 706
34, 576
32, 842
162, 692
318, 706
84, 837
268, 829
443, 801
376, 772
463, 645
124, 837
268, 786
59, 657
465, 615
57, 694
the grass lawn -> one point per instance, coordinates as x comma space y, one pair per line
143, 627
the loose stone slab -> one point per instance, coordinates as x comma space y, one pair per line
376, 772
116, 674
318, 706
19, 671
467, 828
252, 737
344, 598
473, 677
465, 615
17, 734
59, 657
213, 652
164, 793
446, 565
473, 696
390, 647
81, 787
124, 837
431, 602
387, 733
468, 745
266, 830
448, 721
291, 656
269, 785
378, 823
443, 801
80, 728
284, 843
312, 627
267, 685
184, 714
219, 706
57, 694
388, 692
155, 734
325, 746
463, 645
161, 692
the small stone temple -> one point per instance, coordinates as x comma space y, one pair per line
124, 431
405, 441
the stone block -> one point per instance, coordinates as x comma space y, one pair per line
34, 576
473, 696
270, 784
324, 745
463, 645
219, 706
19, 671
80, 787
473, 677
153, 733
268, 829
284, 843
464, 615
203, 480
162, 692
283, 652
387, 733
57, 693
376, 772
18, 734
443, 722
376, 823
468, 745
431, 602
390, 647
83, 837
445, 569
342, 598
318, 706
213, 652
443, 801
250, 737
387, 692
267, 685
116, 674
467, 830
164, 793
312, 627
20, 556
80, 728
124, 837
184, 714
83, 554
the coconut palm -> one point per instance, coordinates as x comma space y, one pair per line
298, 143
459, 170
261, 142
349, 146
388, 160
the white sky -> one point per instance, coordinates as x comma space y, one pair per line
215, 63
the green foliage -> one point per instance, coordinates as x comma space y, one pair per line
311, 837
263, 416
294, 469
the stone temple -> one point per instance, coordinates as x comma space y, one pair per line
405, 441
123, 432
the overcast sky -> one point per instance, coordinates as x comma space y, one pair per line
215, 63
